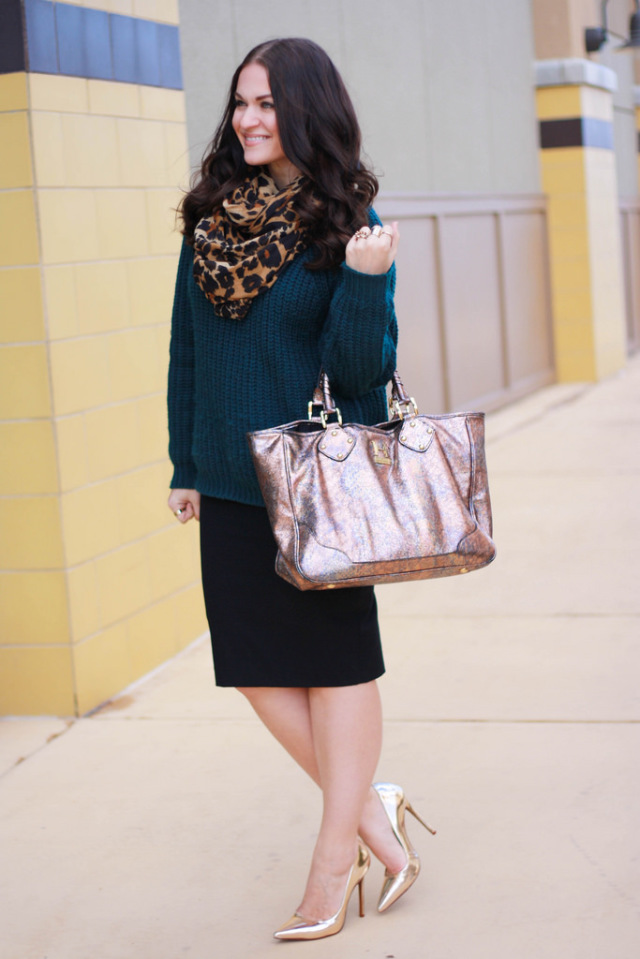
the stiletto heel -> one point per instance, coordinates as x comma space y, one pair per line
300, 928
415, 815
395, 804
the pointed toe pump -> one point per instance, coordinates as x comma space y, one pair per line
300, 928
395, 804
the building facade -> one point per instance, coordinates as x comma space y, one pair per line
508, 153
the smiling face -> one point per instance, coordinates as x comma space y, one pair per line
256, 125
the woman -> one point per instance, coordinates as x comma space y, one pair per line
278, 277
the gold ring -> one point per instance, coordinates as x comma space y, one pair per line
178, 512
362, 234
377, 230
386, 233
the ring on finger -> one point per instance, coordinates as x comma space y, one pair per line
377, 230
178, 512
363, 233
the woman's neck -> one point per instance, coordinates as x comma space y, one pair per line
283, 173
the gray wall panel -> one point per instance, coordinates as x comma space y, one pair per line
444, 91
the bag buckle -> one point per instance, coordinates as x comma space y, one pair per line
400, 408
324, 417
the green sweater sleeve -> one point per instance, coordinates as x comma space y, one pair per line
358, 343
181, 388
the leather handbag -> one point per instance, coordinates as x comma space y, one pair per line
354, 505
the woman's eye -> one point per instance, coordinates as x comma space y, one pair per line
239, 103
267, 105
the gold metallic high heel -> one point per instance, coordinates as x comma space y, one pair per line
395, 803
299, 928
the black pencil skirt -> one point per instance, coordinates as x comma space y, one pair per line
265, 632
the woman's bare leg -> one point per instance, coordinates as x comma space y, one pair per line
346, 723
306, 722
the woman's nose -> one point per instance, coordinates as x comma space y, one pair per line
250, 118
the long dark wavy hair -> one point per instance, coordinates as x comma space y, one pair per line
320, 136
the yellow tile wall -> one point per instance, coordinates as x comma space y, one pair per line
102, 666
66, 94
25, 381
609, 311
44, 597
68, 225
30, 533
28, 463
113, 99
21, 298
84, 609
98, 582
19, 235
13, 91
189, 612
152, 636
15, 156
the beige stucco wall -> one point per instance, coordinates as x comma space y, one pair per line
444, 91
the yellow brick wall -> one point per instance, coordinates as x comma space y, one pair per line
584, 241
99, 584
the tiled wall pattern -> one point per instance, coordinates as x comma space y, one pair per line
579, 179
99, 584
113, 42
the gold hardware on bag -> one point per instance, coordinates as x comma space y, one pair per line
380, 453
401, 407
324, 417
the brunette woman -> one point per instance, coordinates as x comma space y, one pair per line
286, 268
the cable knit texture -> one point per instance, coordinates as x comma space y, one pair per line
229, 377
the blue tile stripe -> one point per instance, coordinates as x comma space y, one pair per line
576, 132
83, 42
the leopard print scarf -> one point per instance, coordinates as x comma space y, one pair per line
240, 250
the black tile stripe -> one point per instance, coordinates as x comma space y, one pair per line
46, 36
12, 51
576, 132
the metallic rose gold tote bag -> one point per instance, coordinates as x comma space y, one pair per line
354, 505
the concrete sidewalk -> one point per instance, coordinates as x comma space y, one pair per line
170, 825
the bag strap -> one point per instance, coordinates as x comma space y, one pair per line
398, 403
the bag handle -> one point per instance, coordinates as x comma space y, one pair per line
400, 402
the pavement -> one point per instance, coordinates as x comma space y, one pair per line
168, 825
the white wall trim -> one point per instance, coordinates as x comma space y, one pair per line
575, 72
636, 95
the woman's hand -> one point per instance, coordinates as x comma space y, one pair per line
185, 504
373, 251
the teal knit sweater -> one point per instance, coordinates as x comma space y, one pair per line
227, 377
